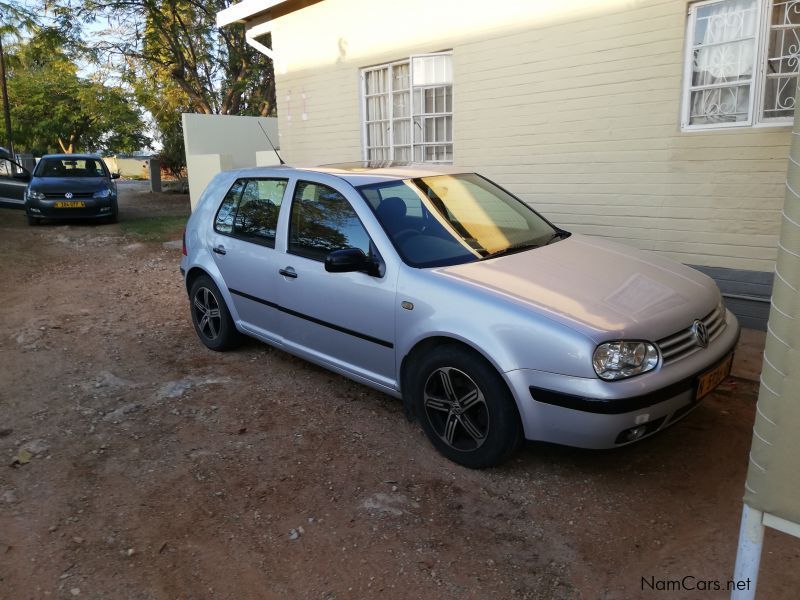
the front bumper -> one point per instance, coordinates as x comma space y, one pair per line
592, 413
93, 208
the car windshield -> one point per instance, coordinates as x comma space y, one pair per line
70, 167
452, 219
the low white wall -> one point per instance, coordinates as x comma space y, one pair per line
128, 167
222, 142
201, 169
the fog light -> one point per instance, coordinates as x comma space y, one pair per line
638, 432
105, 209
34, 210
635, 433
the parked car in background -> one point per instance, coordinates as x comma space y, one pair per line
14, 180
71, 186
440, 287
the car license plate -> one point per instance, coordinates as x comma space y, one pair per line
711, 379
73, 204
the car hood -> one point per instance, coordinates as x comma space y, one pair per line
603, 289
71, 184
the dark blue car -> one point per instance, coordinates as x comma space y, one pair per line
71, 186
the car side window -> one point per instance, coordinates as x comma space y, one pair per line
223, 223
250, 210
322, 221
9, 169
257, 212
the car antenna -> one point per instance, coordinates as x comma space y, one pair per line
270, 143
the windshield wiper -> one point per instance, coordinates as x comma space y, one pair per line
557, 235
513, 249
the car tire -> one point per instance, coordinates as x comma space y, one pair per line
33, 221
210, 316
465, 407
113, 218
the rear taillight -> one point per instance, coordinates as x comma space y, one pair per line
183, 245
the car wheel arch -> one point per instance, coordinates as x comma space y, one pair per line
426, 345
193, 274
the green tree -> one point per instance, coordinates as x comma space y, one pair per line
173, 151
178, 42
54, 109
13, 19
175, 58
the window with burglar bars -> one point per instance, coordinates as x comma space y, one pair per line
742, 63
408, 110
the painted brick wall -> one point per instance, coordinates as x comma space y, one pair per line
572, 105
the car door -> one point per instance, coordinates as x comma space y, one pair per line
345, 320
13, 183
242, 244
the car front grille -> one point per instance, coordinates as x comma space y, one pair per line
682, 344
60, 196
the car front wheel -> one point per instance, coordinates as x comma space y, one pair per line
210, 316
465, 407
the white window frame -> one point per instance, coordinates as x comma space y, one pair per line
413, 143
389, 104
757, 91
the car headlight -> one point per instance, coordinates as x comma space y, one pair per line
617, 360
106, 193
34, 195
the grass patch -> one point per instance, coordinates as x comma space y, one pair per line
155, 229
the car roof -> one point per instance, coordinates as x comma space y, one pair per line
366, 173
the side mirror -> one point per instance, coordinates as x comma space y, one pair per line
115, 176
350, 260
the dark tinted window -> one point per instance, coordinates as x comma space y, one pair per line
70, 167
322, 221
257, 212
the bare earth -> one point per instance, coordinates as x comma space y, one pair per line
159, 469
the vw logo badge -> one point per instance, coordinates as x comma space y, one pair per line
700, 333
68, 195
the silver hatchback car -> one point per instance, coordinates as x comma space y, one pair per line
439, 287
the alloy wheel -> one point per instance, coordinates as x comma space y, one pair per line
456, 409
207, 313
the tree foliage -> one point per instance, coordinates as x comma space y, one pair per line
14, 16
177, 42
54, 109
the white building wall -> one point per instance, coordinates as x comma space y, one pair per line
572, 105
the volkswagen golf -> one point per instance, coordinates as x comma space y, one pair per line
439, 287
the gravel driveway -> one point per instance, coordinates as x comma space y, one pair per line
138, 464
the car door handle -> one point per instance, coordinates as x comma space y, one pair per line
219, 249
288, 272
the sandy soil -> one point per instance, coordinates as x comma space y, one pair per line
159, 469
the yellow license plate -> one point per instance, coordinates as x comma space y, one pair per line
711, 379
73, 204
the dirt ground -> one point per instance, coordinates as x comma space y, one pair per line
159, 469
